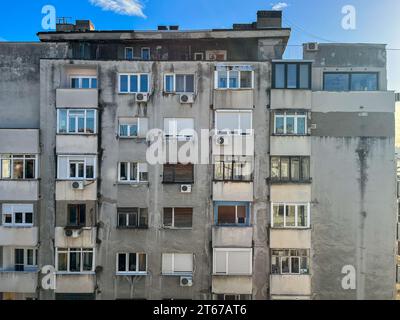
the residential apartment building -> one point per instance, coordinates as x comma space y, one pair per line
295, 185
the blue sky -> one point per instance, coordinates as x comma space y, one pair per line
311, 20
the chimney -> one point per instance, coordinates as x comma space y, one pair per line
162, 28
269, 19
173, 28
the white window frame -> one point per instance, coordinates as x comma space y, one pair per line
34, 257
137, 272
138, 172
139, 215
125, 51
296, 205
80, 78
129, 83
177, 135
197, 54
177, 273
15, 209
24, 158
173, 220
174, 75
76, 121
227, 251
236, 131
228, 71
134, 121
296, 116
290, 257
72, 159
141, 53
81, 251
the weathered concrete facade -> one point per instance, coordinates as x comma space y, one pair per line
79, 192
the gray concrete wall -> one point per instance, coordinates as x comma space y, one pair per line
20, 82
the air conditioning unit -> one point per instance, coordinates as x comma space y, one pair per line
312, 46
186, 281
186, 188
187, 98
222, 140
70, 233
142, 97
78, 185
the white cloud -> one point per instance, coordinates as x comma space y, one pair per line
279, 6
2, 39
123, 7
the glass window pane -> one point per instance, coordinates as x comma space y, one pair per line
364, 82
62, 262
123, 176
62, 121
279, 76
222, 79
133, 219
29, 257
144, 83
234, 79
19, 217
94, 83
304, 265
85, 83
18, 169
285, 168
133, 172
73, 215
145, 53
180, 83
291, 76
72, 124
305, 168
219, 170
74, 261
123, 83
122, 262
285, 265
123, 130
29, 169
278, 212
190, 83
279, 125
87, 261
290, 124
301, 125
75, 83
142, 262
336, 81
134, 84
28, 217
227, 121
290, 216
169, 83
275, 265
90, 114
81, 124
89, 172
275, 168
246, 78
6, 169
128, 53
295, 265
302, 216
241, 213
304, 76
132, 262
122, 219
133, 130
81, 170
295, 169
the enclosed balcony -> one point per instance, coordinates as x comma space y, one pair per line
236, 237
77, 98
290, 285
18, 282
75, 237
16, 236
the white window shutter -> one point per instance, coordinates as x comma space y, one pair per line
183, 262
167, 263
143, 127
